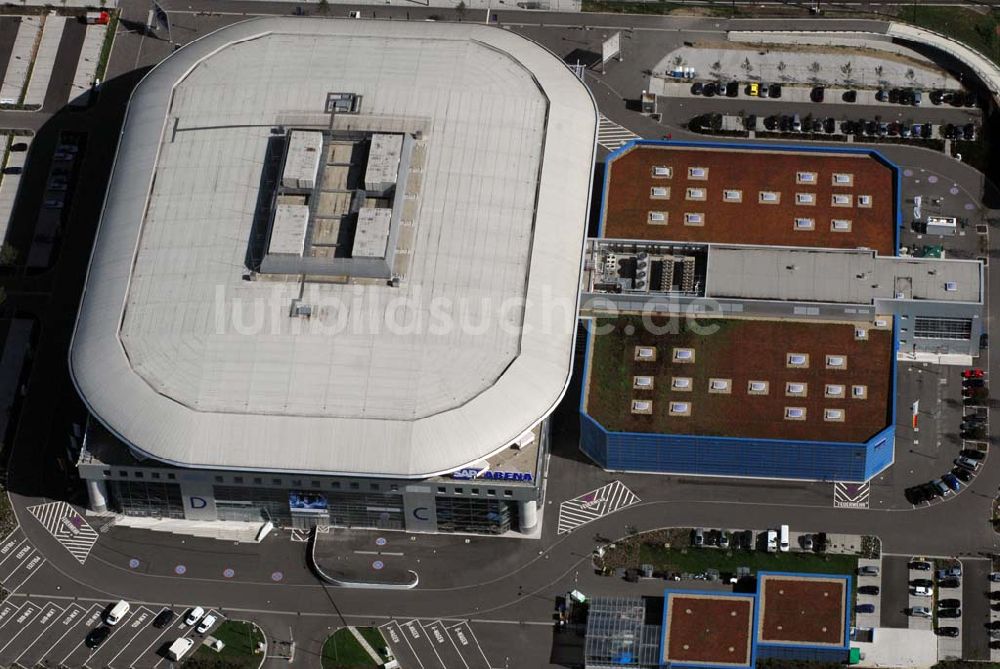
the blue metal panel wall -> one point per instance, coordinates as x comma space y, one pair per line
805, 653
594, 440
879, 451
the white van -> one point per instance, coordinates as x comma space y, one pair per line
117, 612
772, 541
784, 539
179, 647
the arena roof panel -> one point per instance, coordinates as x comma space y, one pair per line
168, 351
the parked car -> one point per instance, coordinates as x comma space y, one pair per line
882, 95
97, 636
962, 474
817, 94
922, 591
18, 147
972, 373
206, 623
920, 612
708, 90
868, 570
868, 589
949, 613
164, 618
194, 616
972, 453
949, 572
796, 123
750, 122
753, 89
949, 603
732, 89
947, 631
915, 495
950, 583
698, 537
942, 487
995, 576
806, 540
830, 126
952, 482
724, 539
968, 463
712, 538
865, 608
973, 383
697, 88
850, 96
894, 95
13, 169
920, 565
969, 132
984, 340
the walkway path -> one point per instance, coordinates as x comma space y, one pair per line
367, 646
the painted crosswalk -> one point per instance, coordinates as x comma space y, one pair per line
67, 527
612, 136
593, 505
851, 495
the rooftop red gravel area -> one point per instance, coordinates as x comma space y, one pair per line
710, 631
742, 350
808, 611
749, 222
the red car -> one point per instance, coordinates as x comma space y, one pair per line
975, 373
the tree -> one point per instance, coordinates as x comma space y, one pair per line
460, 8
746, 65
878, 71
716, 68
678, 61
815, 68
910, 74
782, 66
8, 255
324, 7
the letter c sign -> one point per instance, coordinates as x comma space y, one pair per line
420, 513
198, 502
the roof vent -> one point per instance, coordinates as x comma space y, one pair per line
642, 406
833, 414
681, 383
795, 413
645, 353
757, 387
642, 382
680, 408
951, 286
683, 355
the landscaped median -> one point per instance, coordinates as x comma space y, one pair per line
244, 648
343, 650
669, 551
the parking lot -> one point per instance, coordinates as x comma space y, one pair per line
38, 632
434, 644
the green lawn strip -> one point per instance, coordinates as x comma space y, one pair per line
698, 560
374, 639
342, 650
240, 639
975, 28
109, 40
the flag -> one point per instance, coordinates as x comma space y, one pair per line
160, 18
915, 407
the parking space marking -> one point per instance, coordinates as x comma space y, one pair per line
43, 614
95, 617
30, 568
396, 639
18, 553
7, 609
176, 625
444, 645
474, 657
8, 546
593, 505
87, 620
188, 633
28, 612
418, 639
67, 527
68, 618
135, 625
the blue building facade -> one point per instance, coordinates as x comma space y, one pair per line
806, 652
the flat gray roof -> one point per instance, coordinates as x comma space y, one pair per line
837, 276
169, 352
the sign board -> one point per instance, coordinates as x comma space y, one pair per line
917, 201
611, 47
472, 473
305, 502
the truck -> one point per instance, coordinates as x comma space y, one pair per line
179, 647
97, 18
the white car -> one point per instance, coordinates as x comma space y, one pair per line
195, 615
206, 624
922, 591
920, 612
179, 648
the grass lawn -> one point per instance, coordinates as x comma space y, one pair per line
698, 560
241, 639
342, 651
977, 29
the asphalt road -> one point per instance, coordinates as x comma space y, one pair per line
508, 596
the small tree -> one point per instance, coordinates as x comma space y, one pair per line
815, 69
782, 66
678, 61
716, 67
460, 8
324, 7
747, 67
910, 74
8, 255
878, 71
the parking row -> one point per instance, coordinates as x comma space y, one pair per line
434, 644
935, 602
74, 634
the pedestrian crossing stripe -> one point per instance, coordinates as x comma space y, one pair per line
68, 527
612, 136
593, 505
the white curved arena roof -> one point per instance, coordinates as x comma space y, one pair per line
188, 362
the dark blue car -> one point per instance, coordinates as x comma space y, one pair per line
952, 482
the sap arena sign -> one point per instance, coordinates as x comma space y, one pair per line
487, 475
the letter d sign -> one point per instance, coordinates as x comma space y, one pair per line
198, 502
